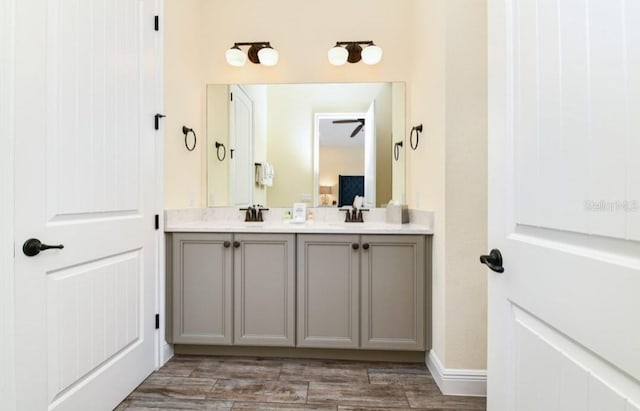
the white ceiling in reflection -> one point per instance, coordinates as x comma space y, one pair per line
332, 134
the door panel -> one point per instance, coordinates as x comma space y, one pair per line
98, 302
562, 210
85, 178
577, 379
393, 292
241, 177
202, 288
328, 291
264, 282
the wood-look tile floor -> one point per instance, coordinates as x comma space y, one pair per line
226, 383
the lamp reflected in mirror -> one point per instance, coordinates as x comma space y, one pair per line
325, 191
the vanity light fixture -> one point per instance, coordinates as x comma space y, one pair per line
260, 52
352, 52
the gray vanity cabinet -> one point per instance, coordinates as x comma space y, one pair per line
264, 277
362, 291
233, 289
328, 291
202, 288
393, 292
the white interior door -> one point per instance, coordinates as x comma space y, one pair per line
370, 156
86, 93
564, 193
242, 170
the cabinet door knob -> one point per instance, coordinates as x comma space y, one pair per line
236, 244
227, 244
365, 246
355, 246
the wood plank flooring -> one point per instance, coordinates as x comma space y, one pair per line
232, 383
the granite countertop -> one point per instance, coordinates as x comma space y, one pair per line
229, 220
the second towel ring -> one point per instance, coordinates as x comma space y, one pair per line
224, 151
186, 130
417, 130
396, 150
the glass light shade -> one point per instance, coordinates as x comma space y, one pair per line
338, 55
235, 57
372, 54
268, 56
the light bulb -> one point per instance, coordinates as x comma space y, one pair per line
338, 55
372, 54
268, 56
235, 57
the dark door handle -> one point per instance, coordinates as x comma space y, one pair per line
33, 246
236, 244
227, 244
355, 246
493, 260
365, 246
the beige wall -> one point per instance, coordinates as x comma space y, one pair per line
426, 165
217, 132
437, 46
197, 32
184, 97
466, 183
447, 173
399, 125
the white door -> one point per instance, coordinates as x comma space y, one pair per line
564, 200
370, 156
242, 170
86, 92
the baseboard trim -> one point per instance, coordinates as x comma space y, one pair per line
457, 381
167, 353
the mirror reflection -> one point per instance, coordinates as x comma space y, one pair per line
321, 144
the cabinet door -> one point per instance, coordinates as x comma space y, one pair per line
202, 288
264, 277
393, 292
328, 289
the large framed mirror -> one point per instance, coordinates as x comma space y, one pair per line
322, 143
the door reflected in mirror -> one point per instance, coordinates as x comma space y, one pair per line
308, 135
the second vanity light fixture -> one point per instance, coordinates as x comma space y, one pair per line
352, 52
260, 52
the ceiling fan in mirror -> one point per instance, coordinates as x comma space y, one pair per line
358, 128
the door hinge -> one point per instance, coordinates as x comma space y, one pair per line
231, 96
157, 221
156, 23
157, 321
157, 118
